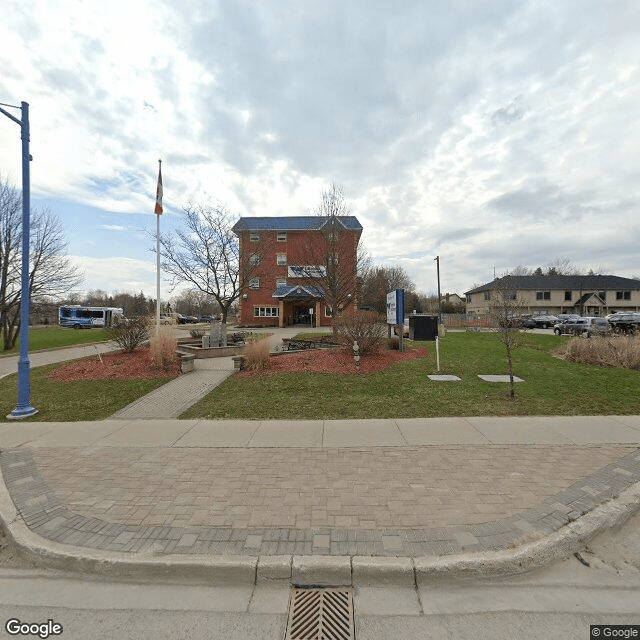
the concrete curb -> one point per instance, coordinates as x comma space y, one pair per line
318, 570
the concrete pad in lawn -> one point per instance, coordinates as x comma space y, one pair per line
288, 433
428, 431
355, 433
218, 433
148, 433
492, 378
518, 430
444, 377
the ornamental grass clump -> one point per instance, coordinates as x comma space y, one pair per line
605, 351
256, 355
163, 345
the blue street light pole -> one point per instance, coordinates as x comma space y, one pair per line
24, 408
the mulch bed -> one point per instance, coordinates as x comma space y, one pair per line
114, 366
333, 361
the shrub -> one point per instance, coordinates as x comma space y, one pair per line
606, 351
163, 347
129, 334
256, 355
367, 328
198, 332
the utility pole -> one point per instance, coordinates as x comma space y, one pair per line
24, 408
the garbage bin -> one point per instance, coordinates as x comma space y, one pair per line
423, 327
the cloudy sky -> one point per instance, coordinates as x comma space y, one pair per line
492, 133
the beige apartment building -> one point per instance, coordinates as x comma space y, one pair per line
582, 295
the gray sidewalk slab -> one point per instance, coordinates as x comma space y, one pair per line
288, 433
158, 432
353, 433
434, 431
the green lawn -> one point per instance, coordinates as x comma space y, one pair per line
54, 336
551, 387
73, 401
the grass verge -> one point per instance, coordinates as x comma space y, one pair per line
73, 401
52, 337
552, 387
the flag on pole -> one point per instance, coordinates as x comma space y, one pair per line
158, 209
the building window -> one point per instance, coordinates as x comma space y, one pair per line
328, 312
623, 295
468, 297
567, 296
280, 281
282, 236
254, 236
543, 295
307, 271
254, 283
265, 312
281, 259
254, 259
487, 295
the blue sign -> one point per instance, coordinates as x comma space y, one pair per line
395, 307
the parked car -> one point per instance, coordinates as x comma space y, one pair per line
540, 322
624, 321
206, 319
180, 319
588, 325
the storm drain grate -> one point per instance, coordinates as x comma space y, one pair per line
320, 614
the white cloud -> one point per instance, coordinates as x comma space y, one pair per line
491, 134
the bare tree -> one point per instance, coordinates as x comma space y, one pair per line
379, 281
51, 272
336, 259
506, 310
205, 255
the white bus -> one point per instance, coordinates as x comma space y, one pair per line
79, 317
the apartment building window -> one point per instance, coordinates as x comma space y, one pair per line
265, 312
281, 259
543, 295
254, 236
623, 295
280, 281
282, 236
254, 259
487, 295
254, 283
567, 296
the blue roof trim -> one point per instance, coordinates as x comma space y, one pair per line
292, 223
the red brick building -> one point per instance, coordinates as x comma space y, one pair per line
297, 269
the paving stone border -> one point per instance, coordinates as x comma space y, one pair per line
46, 516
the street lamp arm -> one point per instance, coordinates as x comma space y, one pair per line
6, 113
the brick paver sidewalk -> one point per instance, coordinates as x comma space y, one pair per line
373, 501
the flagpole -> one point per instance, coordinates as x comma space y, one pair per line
158, 214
